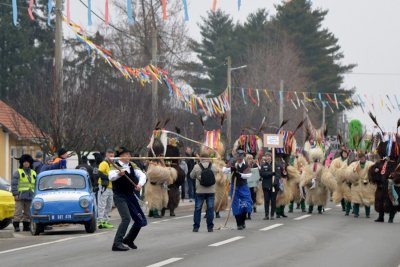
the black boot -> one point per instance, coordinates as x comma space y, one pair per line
16, 226
163, 212
155, 213
356, 210
391, 216
367, 211
320, 209
381, 217
348, 208
172, 213
249, 216
303, 205
217, 214
343, 203
26, 227
151, 213
254, 209
310, 209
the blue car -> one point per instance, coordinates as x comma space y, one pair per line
63, 196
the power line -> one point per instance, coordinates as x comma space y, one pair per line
373, 73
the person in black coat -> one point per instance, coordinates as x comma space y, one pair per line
270, 184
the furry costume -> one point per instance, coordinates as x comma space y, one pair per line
156, 190
342, 191
362, 191
221, 188
317, 180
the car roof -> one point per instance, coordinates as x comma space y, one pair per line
63, 171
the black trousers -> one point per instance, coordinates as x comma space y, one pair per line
240, 219
269, 199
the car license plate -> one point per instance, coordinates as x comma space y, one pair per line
58, 217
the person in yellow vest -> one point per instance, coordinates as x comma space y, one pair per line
105, 194
23, 188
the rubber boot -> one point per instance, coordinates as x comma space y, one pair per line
356, 210
298, 205
278, 212
26, 226
16, 226
343, 203
172, 212
348, 208
381, 217
367, 211
291, 207
249, 216
163, 212
151, 213
155, 213
391, 216
310, 209
303, 205
320, 209
217, 214
254, 209
283, 211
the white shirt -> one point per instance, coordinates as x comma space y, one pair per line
113, 174
227, 170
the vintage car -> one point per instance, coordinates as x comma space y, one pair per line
7, 204
62, 197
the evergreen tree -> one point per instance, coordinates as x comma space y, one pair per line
26, 52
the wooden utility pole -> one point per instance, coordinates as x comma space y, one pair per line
154, 91
229, 115
58, 48
281, 103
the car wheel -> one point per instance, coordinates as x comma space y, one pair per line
36, 228
91, 225
4, 223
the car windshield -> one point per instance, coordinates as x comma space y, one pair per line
62, 181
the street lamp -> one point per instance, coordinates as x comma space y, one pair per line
229, 116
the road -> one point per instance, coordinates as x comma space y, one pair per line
330, 239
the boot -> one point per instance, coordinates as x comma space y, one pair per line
255, 209
26, 227
163, 212
151, 213
391, 217
298, 205
310, 209
320, 209
303, 205
217, 214
348, 208
343, 203
283, 211
172, 213
249, 216
367, 211
155, 214
356, 210
278, 212
291, 206
381, 217
16, 226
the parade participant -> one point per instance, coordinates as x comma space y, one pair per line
191, 184
342, 193
38, 162
270, 185
62, 153
85, 166
105, 194
241, 202
317, 180
362, 190
252, 181
203, 174
23, 188
284, 194
298, 191
125, 180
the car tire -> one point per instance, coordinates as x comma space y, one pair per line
91, 225
36, 228
4, 223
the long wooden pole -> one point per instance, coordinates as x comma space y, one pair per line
150, 158
273, 169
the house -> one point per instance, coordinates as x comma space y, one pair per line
17, 136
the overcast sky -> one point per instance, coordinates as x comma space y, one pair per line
368, 33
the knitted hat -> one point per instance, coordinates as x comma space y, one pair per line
61, 152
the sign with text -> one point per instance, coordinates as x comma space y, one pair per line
273, 140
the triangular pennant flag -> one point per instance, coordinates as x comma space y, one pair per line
185, 8
15, 12
31, 2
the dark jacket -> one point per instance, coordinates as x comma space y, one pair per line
266, 175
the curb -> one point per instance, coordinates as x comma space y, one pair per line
6, 234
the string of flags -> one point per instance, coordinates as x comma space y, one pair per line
129, 7
211, 106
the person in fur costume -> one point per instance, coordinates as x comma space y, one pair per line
221, 189
284, 194
174, 196
362, 190
342, 193
298, 192
317, 180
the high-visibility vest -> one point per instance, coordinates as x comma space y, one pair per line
24, 184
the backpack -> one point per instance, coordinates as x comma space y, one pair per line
207, 177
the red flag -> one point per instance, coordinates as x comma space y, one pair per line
106, 13
164, 9
31, 2
214, 6
68, 12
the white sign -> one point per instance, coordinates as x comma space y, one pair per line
273, 140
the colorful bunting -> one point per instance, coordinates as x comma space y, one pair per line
164, 9
15, 12
49, 10
89, 12
68, 11
30, 8
129, 10
214, 6
106, 16
239, 4
185, 8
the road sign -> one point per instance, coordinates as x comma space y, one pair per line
273, 140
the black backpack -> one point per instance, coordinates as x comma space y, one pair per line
207, 177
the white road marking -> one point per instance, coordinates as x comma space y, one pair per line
181, 217
162, 263
301, 217
338, 205
226, 241
271, 227
326, 209
49, 243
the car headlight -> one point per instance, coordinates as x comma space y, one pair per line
84, 202
37, 205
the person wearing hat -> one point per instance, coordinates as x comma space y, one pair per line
23, 188
270, 185
242, 204
62, 154
127, 178
38, 162
106, 193
362, 190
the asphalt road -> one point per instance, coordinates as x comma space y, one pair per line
330, 239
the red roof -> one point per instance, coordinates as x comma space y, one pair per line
17, 124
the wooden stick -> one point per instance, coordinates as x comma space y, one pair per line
119, 169
273, 169
150, 158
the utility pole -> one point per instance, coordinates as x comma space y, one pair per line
229, 117
154, 85
323, 113
281, 103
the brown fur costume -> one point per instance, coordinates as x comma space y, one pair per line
295, 172
342, 191
324, 181
221, 185
156, 190
362, 190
